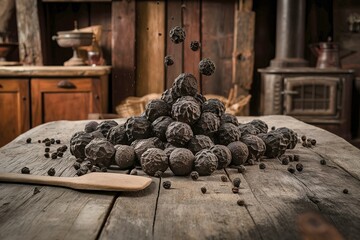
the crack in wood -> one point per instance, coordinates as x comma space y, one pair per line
107, 214
156, 207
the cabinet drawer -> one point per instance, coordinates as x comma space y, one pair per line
14, 108
64, 99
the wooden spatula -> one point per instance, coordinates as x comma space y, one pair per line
91, 181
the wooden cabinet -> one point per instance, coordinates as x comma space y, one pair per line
52, 93
63, 98
14, 108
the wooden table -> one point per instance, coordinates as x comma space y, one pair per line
277, 202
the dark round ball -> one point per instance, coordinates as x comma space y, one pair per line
191, 98
208, 124
177, 35
239, 153
205, 162
206, 67
167, 96
256, 146
141, 145
168, 61
223, 155
78, 143
91, 126
117, 135
199, 142
186, 111
275, 143
166, 184
156, 108
124, 156
178, 133
100, 152
181, 161
105, 126
51, 172
195, 45
153, 160
289, 135
260, 125
184, 85
214, 106
248, 128
137, 128
229, 118
228, 133
194, 175
160, 125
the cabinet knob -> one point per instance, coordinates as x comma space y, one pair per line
97, 97
24, 98
66, 84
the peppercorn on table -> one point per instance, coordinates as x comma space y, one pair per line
319, 202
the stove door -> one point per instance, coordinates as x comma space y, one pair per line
312, 96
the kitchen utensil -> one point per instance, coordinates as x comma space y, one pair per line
91, 181
327, 54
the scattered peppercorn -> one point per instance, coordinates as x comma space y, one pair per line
47, 155
285, 161
236, 182
47, 143
52, 141
299, 167
168, 61
195, 45
291, 158
203, 190
345, 191
158, 174
28, 140
39, 141
241, 169
167, 184
51, 172
177, 35
241, 202
58, 141
235, 190
291, 169
251, 162
224, 178
313, 142
59, 154
47, 149
79, 160
194, 175
303, 138
36, 190
133, 172
81, 171
104, 169
206, 67
76, 165
25, 170
273, 128
296, 157
304, 144
262, 166
54, 155
323, 162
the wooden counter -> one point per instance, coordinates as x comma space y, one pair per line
277, 202
32, 95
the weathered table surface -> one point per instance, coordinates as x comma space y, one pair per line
277, 202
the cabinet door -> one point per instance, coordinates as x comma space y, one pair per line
64, 99
14, 108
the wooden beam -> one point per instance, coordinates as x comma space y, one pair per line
29, 32
123, 48
150, 47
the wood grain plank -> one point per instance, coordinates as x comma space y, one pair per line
69, 214
174, 18
29, 32
217, 44
150, 46
123, 46
214, 215
133, 214
191, 22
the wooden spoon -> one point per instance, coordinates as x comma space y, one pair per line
91, 181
